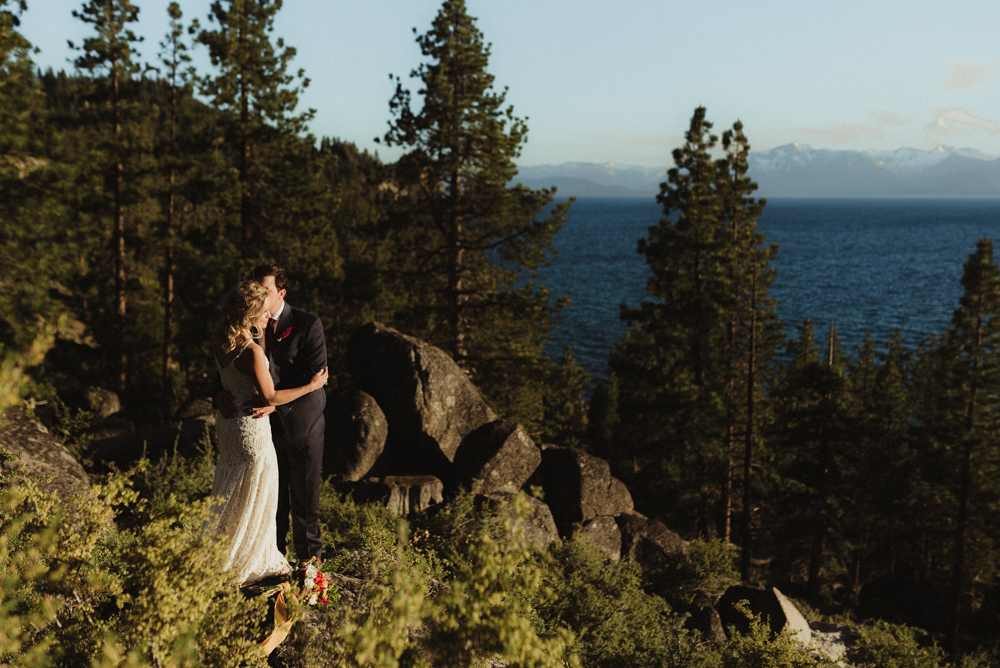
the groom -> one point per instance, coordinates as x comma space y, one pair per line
296, 349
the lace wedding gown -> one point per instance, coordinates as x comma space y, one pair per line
246, 476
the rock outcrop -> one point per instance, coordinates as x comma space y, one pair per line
650, 543
428, 401
41, 454
579, 487
538, 526
102, 403
356, 432
603, 533
770, 604
500, 455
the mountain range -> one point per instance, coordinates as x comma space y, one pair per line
798, 170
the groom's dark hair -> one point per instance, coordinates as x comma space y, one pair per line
261, 272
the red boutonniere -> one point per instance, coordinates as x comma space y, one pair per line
285, 333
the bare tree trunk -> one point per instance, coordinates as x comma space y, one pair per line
456, 287
168, 271
746, 552
119, 233
727, 484
965, 490
246, 156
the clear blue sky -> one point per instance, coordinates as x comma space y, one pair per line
617, 81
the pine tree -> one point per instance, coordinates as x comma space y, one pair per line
31, 240
976, 325
473, 242
691, 365
881, 502
111, 51
253, 83
20, 95
174, 58
670, 362
811, 436
754, 331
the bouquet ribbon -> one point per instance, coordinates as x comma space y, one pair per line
282, 624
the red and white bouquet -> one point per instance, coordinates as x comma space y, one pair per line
313, 584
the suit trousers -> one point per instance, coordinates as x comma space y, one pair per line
300, 464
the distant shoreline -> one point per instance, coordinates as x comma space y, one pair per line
560, 196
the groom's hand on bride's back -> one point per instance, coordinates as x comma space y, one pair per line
225, 404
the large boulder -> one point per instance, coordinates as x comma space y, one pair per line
833, 642
356, 431
579, 487
650, 544
500, 455
41, 454
429, 402
102, 403
603, 533
771, 605
538, 526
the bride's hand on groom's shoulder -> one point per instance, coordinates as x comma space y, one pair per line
320, 378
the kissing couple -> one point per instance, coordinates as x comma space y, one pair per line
272, 362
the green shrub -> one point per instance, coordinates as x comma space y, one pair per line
615, 621
178, 607
762, 648
358, 537
72, 427
485, 612
54, 601
77, 589
885, 645
448, 536
701, 575
187, 479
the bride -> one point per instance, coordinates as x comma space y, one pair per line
246, 476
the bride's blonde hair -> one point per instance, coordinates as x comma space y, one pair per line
240, 309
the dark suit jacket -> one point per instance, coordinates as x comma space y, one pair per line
300, 353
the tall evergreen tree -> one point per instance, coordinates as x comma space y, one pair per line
254, 83
30, 216
477, 240
110, 52
754, 331
882, 494
670, 362
976, 325
810, 437
175, 60
691, 364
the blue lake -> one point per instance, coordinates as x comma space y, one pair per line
874, 265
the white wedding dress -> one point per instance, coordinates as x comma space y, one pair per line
246, 476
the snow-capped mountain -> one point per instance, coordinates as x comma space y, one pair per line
796, 170
800, 170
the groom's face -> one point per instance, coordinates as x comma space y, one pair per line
275, 297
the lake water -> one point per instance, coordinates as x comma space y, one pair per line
875, 265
